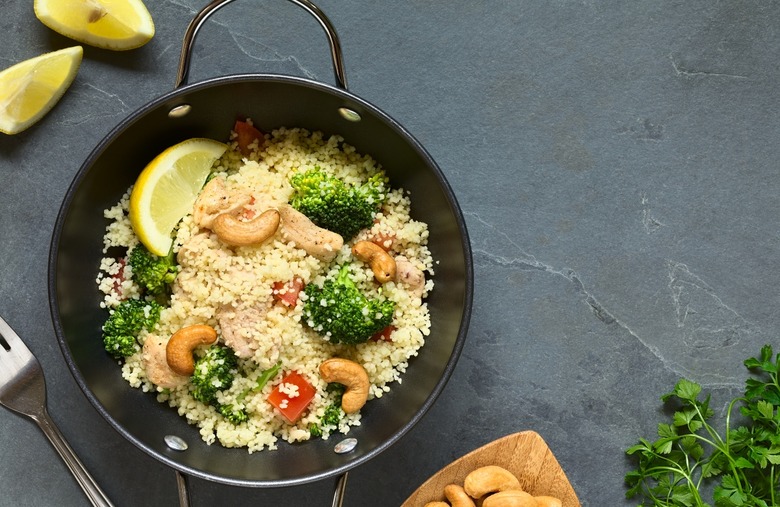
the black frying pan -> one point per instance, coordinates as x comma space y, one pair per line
209, 109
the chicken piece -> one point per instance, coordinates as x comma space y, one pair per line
237, 324
316, 241
409, 275
156, 365
214, 200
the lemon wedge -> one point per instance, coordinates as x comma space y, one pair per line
107, 24
29, 89
166, 190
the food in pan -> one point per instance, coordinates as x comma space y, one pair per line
293, 291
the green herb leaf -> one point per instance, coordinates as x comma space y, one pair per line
267, 375
687, 390
692, 456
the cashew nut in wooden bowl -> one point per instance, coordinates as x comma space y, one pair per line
525, 454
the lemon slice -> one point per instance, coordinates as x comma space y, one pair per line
107, 24
29, 89
166, 190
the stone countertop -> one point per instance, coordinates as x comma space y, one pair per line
617, 167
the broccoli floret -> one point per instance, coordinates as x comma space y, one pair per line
333, 204
154, 274
125, 322
315, 430
214, 371
233, 414
120, 345
341, 312
332, 415
333, 412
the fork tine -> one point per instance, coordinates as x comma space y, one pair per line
18, 348
13, 360
7, 368
23, 390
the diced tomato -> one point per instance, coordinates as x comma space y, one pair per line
383, 240
119, 278
384, 335
287, 292
248, 213
246, 135
292, 407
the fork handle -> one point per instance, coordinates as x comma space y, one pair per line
85, 480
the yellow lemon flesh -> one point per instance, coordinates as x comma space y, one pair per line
29, 89
166, 190
107, 24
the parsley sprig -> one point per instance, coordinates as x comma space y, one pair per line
742, 465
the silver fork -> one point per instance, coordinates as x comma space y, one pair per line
23, 390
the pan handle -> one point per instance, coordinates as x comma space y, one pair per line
184, 493
183, 488
208, 10
341, 487
181, 80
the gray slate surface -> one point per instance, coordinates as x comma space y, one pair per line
617, 165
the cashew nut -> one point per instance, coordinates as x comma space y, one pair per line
489, 479
548, 501
232, 231
178, 352
316, 241
381, 262
457, 496
510, 498
353, 376
437, 504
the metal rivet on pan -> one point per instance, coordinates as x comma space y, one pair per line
349, 114
345, 446
179, 111
175, 443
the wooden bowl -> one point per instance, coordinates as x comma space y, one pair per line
525, 454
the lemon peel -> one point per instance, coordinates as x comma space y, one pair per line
29, 89
118, 25
166, 190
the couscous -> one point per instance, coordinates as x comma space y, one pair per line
254, 297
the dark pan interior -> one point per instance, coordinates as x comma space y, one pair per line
271, 101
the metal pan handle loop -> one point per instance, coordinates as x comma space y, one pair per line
181, 80
211, 8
